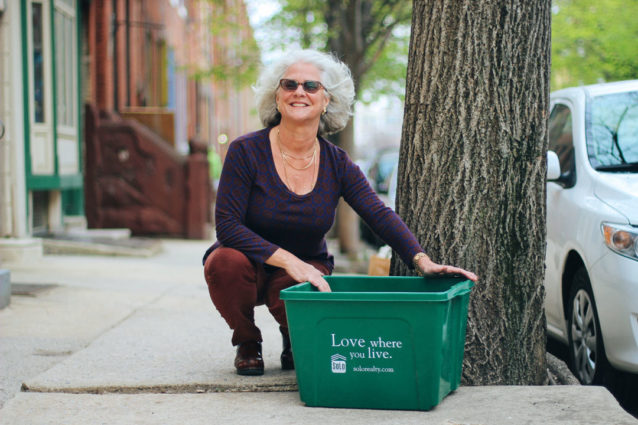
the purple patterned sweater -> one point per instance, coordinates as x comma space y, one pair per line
256, 213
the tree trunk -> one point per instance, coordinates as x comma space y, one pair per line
472, 169
348, 220
347, 42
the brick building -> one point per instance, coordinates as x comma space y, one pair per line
114, 106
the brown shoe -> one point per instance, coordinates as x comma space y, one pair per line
248, 360
287, 362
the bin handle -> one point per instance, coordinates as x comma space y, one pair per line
461, 288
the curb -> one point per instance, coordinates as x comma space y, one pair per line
134, 248
558, 372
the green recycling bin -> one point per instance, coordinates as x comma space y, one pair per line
378, 342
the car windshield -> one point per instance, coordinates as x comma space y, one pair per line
612, 133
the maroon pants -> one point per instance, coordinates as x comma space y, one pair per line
236, 285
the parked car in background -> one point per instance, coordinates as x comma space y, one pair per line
381, 174
591, 279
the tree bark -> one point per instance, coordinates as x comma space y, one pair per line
472, 170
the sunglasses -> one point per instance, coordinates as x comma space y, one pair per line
308, 86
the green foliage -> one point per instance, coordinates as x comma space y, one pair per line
594, 41
237, 55
383, 32
387, 75
214, 164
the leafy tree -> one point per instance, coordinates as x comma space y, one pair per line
371, 37
236, 52
593, 41
472, 170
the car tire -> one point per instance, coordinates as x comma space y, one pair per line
586, 351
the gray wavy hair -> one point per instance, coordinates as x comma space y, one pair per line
335, 77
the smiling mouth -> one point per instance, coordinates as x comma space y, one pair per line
298, 104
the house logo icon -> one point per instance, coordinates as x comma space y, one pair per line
338, 363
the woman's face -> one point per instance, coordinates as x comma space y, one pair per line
299, 106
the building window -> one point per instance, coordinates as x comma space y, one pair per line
65, 66
37, 21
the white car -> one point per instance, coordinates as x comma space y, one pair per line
591, 279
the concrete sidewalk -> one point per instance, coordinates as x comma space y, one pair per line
123, 340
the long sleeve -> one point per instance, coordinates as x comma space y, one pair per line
256, 214
235, 185
383, 220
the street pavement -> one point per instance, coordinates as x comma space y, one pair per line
96, 339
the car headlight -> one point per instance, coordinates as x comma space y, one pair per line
621, 239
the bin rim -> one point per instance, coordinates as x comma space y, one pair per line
305, 291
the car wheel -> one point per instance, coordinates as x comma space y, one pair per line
586, 351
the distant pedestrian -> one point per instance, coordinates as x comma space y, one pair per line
277, 197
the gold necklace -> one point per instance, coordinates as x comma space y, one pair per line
312, 182
299, 159
315, 171
285, 156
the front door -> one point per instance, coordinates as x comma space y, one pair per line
53, 168
40, 99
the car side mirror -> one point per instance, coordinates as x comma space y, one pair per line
553, 166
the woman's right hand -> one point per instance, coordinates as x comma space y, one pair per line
304, 272
299, 270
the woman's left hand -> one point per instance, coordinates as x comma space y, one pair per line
430, 268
